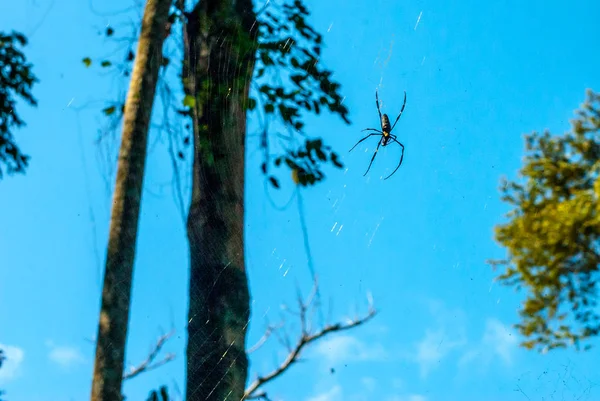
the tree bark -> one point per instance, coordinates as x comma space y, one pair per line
116, 293
220, 50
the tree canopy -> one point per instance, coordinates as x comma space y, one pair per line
16, 81
553, 233
227, 49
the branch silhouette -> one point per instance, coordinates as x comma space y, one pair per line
255, 390
149, 363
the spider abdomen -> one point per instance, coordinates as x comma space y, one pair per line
385, 124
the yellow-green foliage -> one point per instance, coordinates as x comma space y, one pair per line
553, 233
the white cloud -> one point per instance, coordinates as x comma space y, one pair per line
410, 397
498, 341
344, 348
397, 383
501, 339
369, 383
447, 334
416, 397
12, 364
334, 394
452, 318
64, 356
434, 347
429, 351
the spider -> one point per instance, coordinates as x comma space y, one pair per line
385, 133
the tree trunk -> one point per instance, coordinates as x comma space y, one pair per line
116, 294
220, 49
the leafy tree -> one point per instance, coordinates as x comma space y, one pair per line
16, 81
553, 233
227, 48
116, 292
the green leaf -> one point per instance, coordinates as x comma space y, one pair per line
20, 38
251, 104
274, 182
189, 101
109, 31
269, 108
87, 61
164, 393
317, 107
297, 79
185, 113
552, 232
109, 110
335, 160
291, 164
105, 64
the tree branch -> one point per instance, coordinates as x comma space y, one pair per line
270, 330
149, 363
306, 338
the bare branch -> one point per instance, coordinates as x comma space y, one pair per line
270, 330
306, 338
149, 363
259, 396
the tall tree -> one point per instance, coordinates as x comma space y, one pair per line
224, 40
220, 60
553, 233
116, 293
16, 81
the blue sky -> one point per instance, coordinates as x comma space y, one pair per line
478, 76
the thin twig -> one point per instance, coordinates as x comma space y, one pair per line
270, 330
149, 363
259, 396
306, 338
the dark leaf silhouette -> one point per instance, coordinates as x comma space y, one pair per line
16, 81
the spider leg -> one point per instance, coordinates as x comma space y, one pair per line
401, 158
397, 118
357, 143
371, 129
377, 103
373, 158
